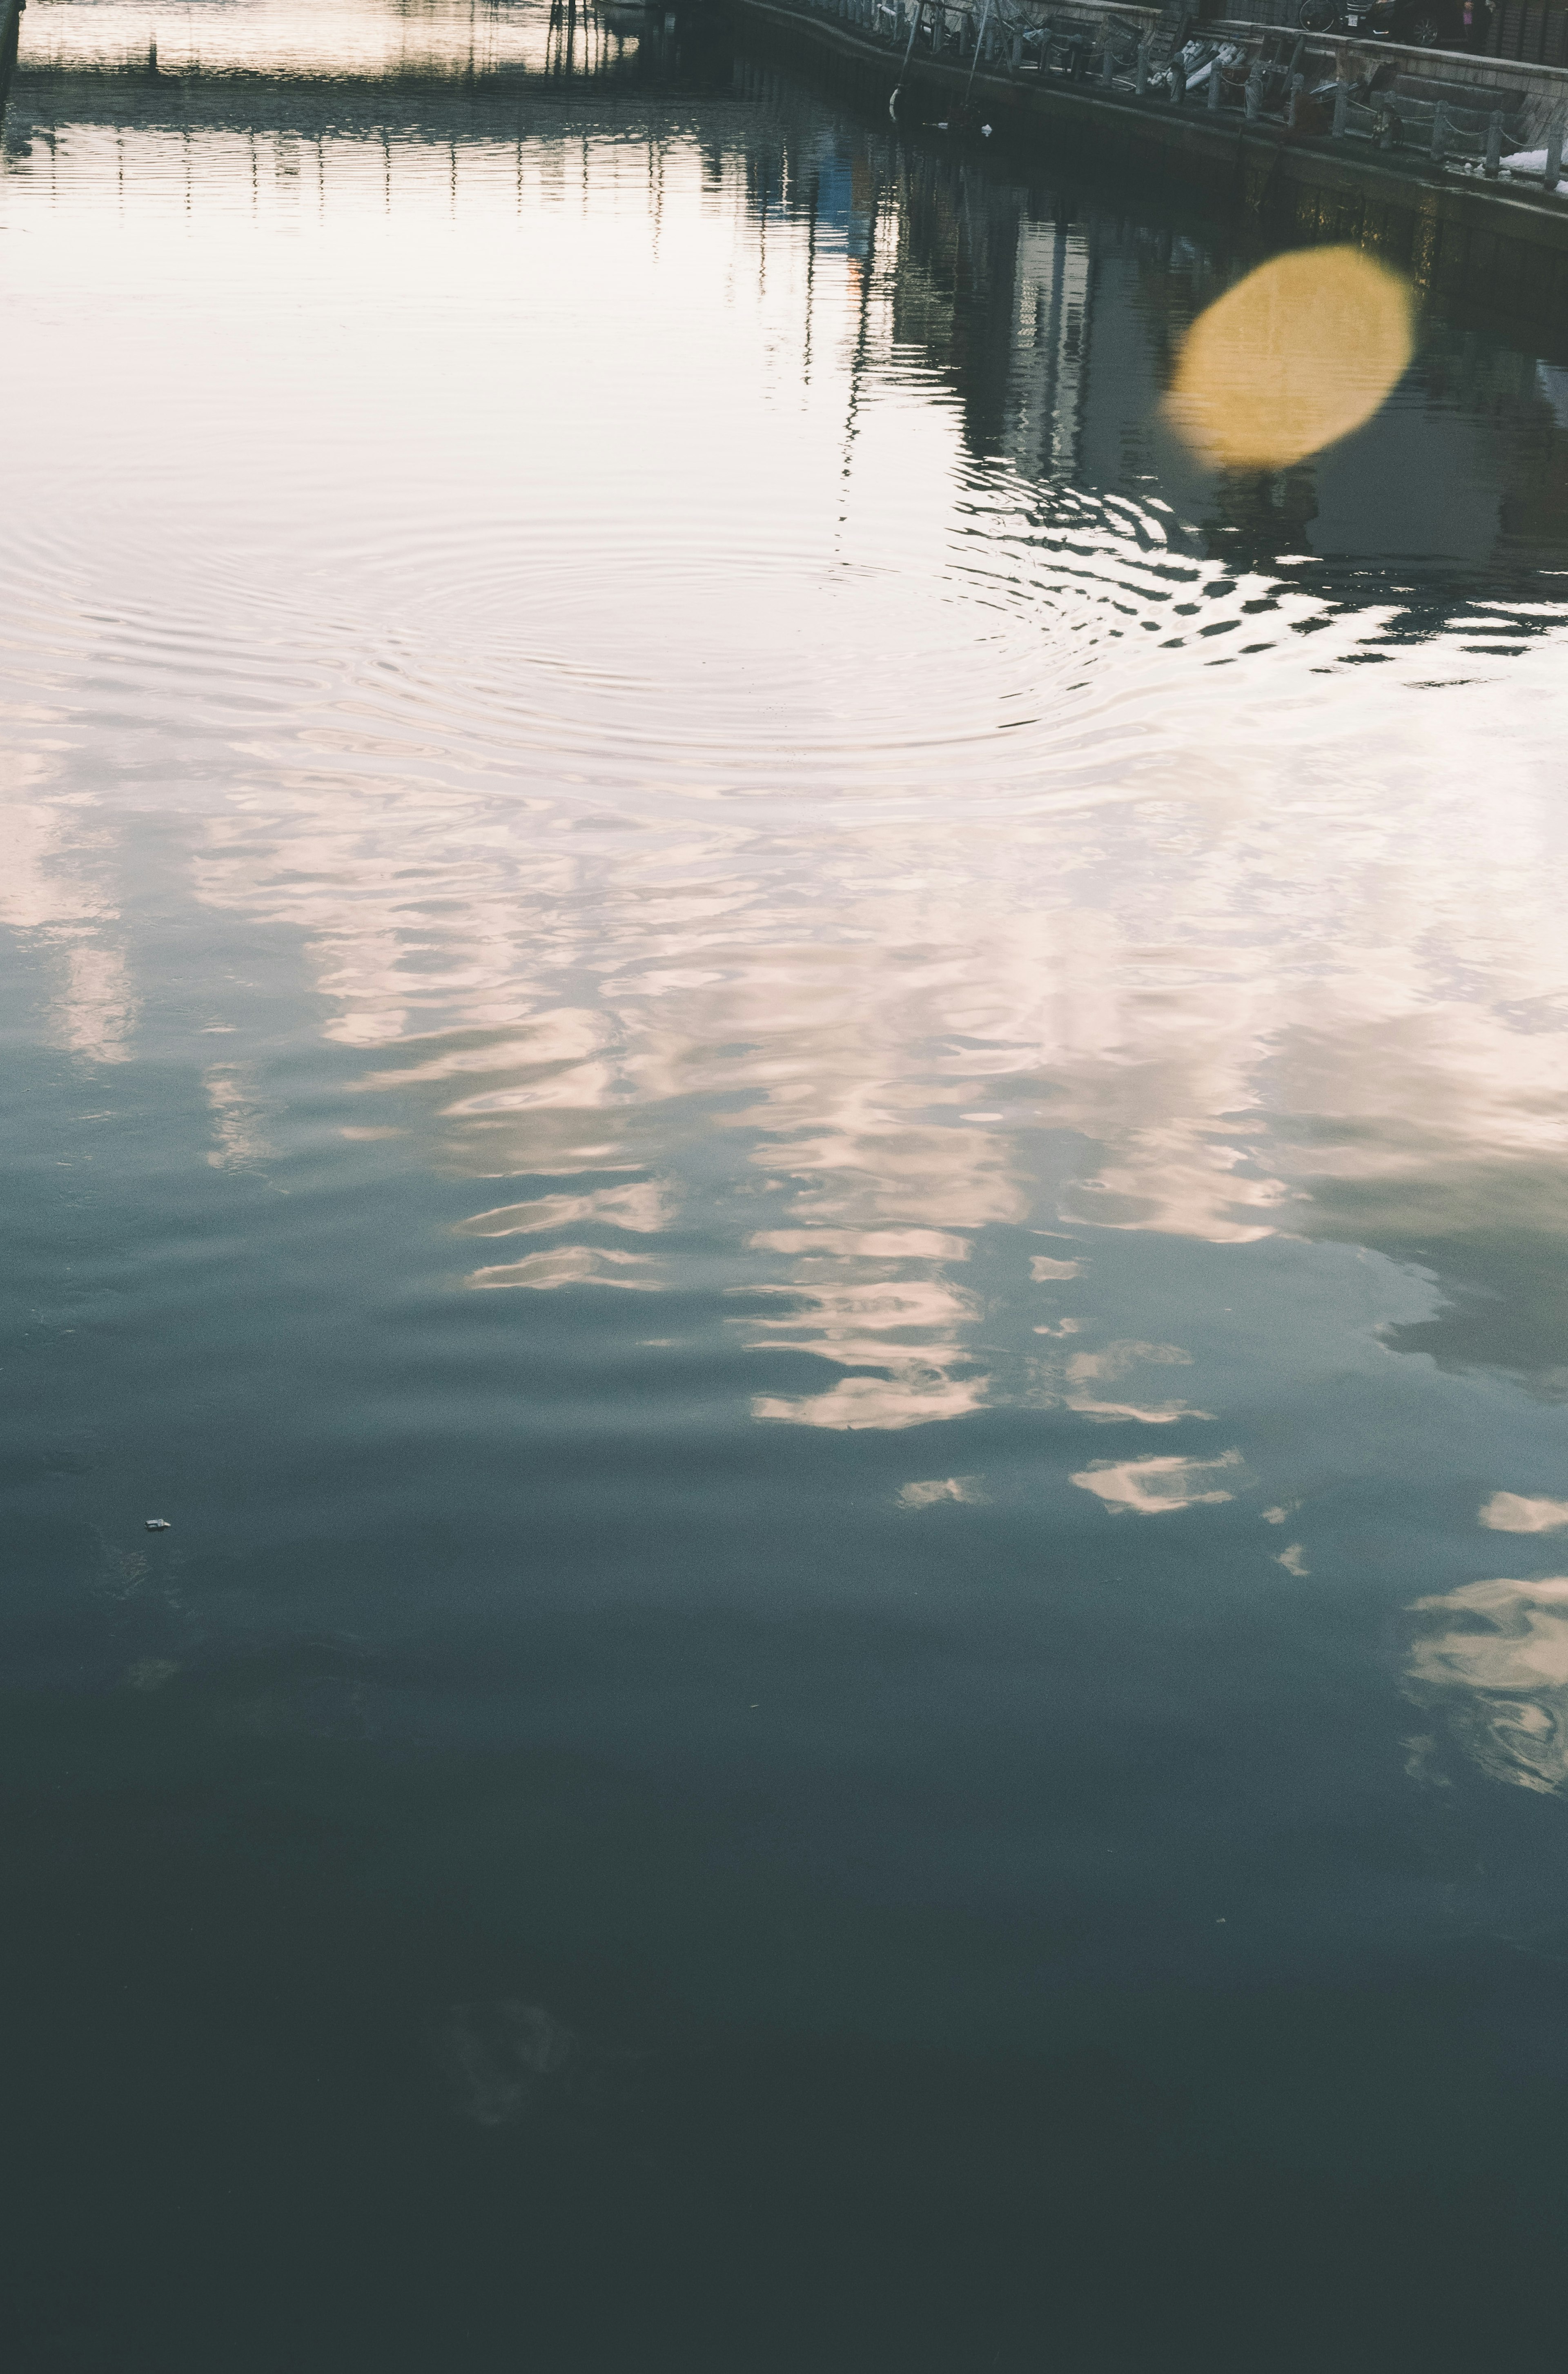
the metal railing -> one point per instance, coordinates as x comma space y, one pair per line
1269, 79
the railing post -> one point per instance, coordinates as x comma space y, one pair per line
1105, 67
1214, 86
1177, 80
1255, 94
1493, 144
1298, 84
1015, 55
1554, 153
1342, 111
1141, 81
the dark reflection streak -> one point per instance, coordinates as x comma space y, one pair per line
857, 365
811, 272
1050, 455
1085, 342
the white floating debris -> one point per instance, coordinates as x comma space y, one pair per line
159, 1525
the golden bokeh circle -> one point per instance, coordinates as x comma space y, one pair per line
1297, 355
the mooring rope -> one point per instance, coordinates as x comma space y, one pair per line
918, 12
979, 42
913, 28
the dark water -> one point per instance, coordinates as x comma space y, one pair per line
808, 1116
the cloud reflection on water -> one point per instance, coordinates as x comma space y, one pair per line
1157, 1487
871, 805
1511, 1512
1494, 1660
52, 890
1089, 1373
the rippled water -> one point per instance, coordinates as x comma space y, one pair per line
808, 1115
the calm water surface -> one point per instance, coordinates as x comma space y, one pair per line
808, 1115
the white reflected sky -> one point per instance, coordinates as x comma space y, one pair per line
289, 37
1493, 1658
560, 596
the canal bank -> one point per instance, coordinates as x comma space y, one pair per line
1501, 245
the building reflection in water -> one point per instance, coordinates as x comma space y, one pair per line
876, 808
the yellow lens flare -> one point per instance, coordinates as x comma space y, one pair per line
1297, 355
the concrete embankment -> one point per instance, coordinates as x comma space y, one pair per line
1499, 245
